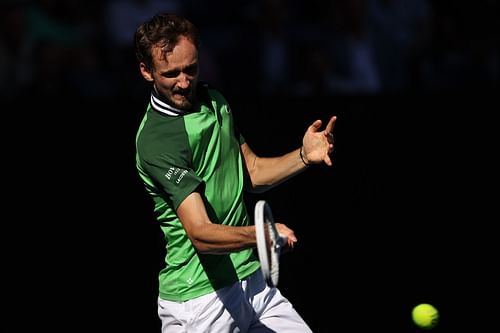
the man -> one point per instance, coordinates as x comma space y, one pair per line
195, 165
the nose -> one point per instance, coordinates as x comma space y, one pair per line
184, 81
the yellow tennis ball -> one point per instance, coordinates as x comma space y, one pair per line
425, 316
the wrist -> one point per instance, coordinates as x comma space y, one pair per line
302, 158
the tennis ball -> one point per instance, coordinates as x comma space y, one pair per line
425, 316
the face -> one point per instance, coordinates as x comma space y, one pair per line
176, 76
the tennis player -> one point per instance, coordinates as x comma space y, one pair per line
195, 165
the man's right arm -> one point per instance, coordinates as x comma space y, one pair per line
208, 237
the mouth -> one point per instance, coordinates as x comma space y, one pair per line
184, 93
182, 99
179, 96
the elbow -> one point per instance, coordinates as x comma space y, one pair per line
198, 243
254, 186
201, 247
197, 236
204, 247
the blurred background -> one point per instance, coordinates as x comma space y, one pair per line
405, 215
266, 47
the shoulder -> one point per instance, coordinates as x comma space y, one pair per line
159, 133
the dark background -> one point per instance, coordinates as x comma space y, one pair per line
405, 215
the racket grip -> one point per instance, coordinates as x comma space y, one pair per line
282, 240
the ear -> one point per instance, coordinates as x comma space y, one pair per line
146, 73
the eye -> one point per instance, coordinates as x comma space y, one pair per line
171, 74
191, 70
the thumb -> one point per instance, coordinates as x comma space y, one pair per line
315, 126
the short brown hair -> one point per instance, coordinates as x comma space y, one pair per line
162, 30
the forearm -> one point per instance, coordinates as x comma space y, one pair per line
220, 239
267, 172
208, 237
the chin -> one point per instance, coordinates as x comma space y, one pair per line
185, 105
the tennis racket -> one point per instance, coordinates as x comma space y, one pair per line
269, 242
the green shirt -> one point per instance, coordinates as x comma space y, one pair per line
178, 152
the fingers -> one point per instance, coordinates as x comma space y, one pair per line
288, 235
284, 230
331, 124
331, 148
328, 160
314, 142
315, 125
290, 243
329, 136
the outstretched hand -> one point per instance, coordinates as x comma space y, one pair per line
318, 145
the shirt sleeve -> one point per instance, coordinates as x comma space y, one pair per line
172, 179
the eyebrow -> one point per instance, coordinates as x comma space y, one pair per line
176, 71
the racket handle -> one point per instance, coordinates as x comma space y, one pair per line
282, 240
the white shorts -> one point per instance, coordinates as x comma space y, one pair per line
246, 306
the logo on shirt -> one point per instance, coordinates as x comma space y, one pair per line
175, 174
